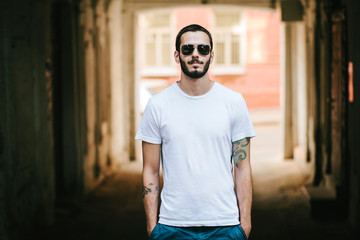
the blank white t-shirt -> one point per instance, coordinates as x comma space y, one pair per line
196, 133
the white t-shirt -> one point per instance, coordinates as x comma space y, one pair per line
196, 133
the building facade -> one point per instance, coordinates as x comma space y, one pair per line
246, 46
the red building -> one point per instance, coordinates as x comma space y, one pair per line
246, 46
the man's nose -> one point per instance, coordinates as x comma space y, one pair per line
195, 53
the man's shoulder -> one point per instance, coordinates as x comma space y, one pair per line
162, 96
229, 94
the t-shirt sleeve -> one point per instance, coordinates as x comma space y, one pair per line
149, 128
241, 124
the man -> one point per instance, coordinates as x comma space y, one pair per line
200, 129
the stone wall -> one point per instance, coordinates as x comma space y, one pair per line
27, 160
353, 10
59, 85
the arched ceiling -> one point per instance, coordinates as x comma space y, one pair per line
157, 3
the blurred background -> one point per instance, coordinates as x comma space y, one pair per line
75, 77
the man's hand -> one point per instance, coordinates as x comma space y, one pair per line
247, 229
150, 228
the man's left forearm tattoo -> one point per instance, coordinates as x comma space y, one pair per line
149, 189
240, 151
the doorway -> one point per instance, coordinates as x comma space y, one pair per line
246, 46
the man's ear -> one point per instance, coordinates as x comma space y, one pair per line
211, 56
177, 57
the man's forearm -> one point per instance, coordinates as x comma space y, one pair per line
151, 198
243, 181
244, 196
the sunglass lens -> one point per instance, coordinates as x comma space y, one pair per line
204, 49
187, 49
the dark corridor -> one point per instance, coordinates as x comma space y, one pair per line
69, 111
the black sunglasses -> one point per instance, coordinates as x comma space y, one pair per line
188, 49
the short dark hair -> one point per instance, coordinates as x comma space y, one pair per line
192, 28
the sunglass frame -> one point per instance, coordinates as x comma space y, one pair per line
188, 49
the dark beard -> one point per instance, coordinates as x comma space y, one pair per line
196, 73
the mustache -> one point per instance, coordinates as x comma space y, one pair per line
194, 60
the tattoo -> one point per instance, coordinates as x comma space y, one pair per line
148, 189
239, 151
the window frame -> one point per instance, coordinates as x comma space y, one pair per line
226, 33
159, 69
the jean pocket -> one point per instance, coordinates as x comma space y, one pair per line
153, 232
243, 234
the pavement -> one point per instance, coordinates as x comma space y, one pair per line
280, 210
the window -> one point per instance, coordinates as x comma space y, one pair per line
158, 52
229, 43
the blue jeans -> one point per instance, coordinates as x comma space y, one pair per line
164, 232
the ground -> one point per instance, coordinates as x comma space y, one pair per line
280, 210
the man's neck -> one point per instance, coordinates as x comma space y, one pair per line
195, 86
